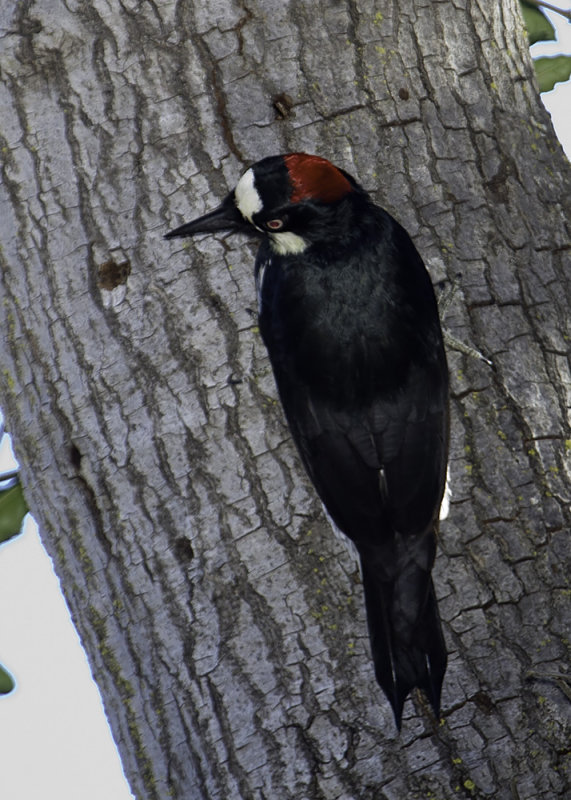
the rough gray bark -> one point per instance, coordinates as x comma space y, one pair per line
223, 621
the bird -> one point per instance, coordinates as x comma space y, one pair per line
348, 314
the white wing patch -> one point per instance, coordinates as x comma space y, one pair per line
445, 505
248, 201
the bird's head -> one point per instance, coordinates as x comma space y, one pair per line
295, 200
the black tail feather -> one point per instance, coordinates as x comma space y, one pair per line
406, 636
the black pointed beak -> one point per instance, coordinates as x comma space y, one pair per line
224, 218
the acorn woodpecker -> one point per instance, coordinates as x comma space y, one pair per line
348, 314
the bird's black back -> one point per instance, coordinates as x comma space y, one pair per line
357, 353
352, 330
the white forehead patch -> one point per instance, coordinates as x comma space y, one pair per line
248, 201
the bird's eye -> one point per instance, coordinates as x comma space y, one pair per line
275, 224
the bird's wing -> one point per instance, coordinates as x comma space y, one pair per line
380, 473
377, 467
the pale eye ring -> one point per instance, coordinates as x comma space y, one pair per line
275, 224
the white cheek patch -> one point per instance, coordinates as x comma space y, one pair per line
248, 201
287, 243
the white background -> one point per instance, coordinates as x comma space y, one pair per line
54, 738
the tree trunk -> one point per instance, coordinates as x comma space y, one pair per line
223, 622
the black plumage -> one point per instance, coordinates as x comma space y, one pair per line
349, 318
